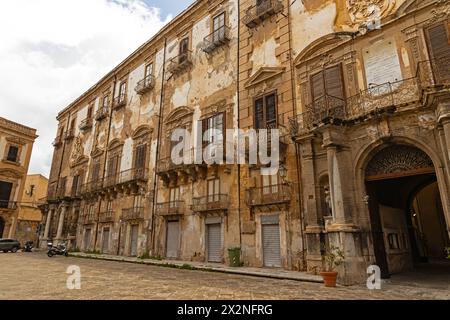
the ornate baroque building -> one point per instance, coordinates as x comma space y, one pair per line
16, 144
360, 93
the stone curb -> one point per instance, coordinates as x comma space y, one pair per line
301, 277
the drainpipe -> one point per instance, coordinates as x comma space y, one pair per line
158, 146
297, 152
239, 120
106, 156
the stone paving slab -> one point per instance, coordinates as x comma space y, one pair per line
257, 272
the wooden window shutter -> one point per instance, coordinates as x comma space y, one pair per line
317, 86
140, 156
259, 114
95, 171
333, 82
438, 41
271, 111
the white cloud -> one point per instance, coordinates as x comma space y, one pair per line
51, 51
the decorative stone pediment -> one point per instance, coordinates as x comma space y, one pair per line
80, 161
115, 144
362, 11
97, 152
16, 140
9, 173
180, 117
264, 74
141, 131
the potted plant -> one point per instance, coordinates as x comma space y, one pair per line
334, 257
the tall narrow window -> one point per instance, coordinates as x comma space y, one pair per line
219, 27
13, 154
75, 183
95, 170
90, 111
140, 156
213, 190
270, 184
72, 126
174, 197
328, 84
148, 70
113, 165
265, 109
105, 103
122, 91
438, 41
137, 202
184, 49
214, 127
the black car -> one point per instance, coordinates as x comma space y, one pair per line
9, 245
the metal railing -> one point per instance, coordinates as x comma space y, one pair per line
102, 113
86, 124
9, 205
180, 62
166, 164
216, 39
259, 12
76, 190
92, 186
132, 175
88, 219
376, 99
107, 216
210, 203
119, 101
135, 213
70, 134
145, 84
170, 208
58, 141
274, 194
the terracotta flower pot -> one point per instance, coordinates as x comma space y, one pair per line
329, 278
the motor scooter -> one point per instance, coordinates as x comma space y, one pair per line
59, 250
28, 247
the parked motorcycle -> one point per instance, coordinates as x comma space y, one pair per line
59, 250
28, 247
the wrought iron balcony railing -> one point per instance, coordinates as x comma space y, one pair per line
92, 186
135, 213
86, 124
275, 194
89, 219
102, 113
435, 72
216, 39
8, 205
70, 134
107, 216
132, 175
76, 191
166, 164
258, 13
120, 101
180, 63
171, 208
145, 84
216, 202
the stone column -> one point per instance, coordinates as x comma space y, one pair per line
12, 228
61, 223
47, 223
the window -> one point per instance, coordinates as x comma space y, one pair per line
184, 49
90, 111
393, 240
140, 156
270, 184
219, 27
438, 41
137, 201
109, 208
327, 83
113, 165
174, 197
95, 170
122, 91
266, 112
213, 190
217, 123
72, 126
148, 70
5, 193
75, 182
13, 154
105, 103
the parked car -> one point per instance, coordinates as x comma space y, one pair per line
9, 245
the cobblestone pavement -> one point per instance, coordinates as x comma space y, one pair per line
34, 276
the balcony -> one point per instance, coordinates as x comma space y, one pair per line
76, 191
145, 85
119, 102
127, 176
86, 124
216, 39
172, 208
70, 134
101, 114
169, 171
88, 219
217, 202
180, 63
432, 76
58, 141
269, 196
258, 13
106, 217
8, 205
91, 187
135, 213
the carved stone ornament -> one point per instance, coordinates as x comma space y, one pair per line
362, 11
398, 159
77, 151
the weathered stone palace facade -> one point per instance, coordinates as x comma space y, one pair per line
363, 106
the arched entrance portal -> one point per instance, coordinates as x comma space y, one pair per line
2, 227
407, 221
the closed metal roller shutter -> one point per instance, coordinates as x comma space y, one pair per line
134, 240
105, 245
172, 241
87, 239
271, 245
214, 242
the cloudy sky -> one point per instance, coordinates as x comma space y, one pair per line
52, 51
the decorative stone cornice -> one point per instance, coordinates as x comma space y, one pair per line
7, 124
